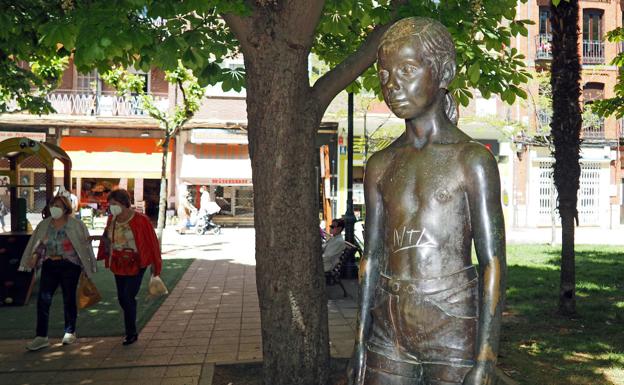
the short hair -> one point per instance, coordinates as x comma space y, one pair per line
121, 196
339, 222
64, 201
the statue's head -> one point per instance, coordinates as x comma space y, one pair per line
416, 58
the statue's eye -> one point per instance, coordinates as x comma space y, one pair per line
408, 69
383, 76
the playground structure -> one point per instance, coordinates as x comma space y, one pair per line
27, 175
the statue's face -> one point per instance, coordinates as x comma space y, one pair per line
409, 84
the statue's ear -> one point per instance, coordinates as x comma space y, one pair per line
448, 73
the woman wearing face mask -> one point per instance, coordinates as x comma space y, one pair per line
130, 247
61, 246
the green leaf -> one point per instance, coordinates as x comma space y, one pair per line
474, 73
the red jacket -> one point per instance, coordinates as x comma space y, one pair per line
145, 239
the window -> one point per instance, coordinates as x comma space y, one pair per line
593, 91
544, 21
143, 75
592, 24
87, 82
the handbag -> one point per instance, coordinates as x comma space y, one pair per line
88, 294
125, 262
122, 262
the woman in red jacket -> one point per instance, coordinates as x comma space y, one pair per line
130, 246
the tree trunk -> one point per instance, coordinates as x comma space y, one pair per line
565, 129
162, 199
293, 303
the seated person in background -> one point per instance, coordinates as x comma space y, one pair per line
334, 247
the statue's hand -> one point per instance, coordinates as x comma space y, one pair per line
481, 374
357, 366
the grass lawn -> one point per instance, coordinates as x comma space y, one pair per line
103, 319
538, 347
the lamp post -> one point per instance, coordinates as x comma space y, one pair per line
349, 215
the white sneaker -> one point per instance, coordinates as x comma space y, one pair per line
38, 343
69, 338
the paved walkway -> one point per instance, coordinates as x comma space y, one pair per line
212, 316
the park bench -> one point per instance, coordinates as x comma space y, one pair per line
334, 276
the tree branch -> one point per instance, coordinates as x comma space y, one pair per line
241, 27
305, 18
330, 84
334, 81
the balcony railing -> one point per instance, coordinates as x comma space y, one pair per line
543, 120
593, 129
593, 52
77, 103
543, 47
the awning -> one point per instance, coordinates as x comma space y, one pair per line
113, 165
210, 171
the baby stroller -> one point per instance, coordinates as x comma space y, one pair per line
204, 223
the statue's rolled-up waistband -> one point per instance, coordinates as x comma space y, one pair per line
428, 285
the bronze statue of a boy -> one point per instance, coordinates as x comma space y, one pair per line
427, 317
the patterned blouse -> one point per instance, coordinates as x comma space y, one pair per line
58, 243
123, 237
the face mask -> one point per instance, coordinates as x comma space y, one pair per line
115, 210
56, 212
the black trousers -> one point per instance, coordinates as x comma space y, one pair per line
53, 274
127, 289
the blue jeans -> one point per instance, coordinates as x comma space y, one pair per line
53, 274
127, 289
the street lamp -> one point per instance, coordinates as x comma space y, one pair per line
349, 216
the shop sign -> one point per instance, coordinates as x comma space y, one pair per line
217, 136
358, 193
40, 136
230, 181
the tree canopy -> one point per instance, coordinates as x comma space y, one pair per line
284, 110
148, 33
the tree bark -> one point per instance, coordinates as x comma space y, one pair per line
284, 114
290, 280
162, 199
565, 130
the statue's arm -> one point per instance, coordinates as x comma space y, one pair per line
483, 188
370, 265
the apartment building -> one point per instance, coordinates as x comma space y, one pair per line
114, 143
110, 139
601, 183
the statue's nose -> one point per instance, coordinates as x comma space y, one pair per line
393, 84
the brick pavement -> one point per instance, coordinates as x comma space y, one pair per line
211, 317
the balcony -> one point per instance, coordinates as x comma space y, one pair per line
543, 47
593, 52
593, 128
103, 104
543, 121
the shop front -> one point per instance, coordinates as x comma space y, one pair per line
103, 164
219, 160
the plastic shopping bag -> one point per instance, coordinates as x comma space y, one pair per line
157, 287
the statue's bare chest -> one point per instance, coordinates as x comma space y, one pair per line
418, 180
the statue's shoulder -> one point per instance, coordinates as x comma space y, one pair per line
475, 154
381, 159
